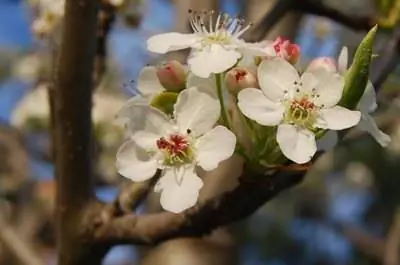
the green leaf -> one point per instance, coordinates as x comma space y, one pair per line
165, 102
358, 74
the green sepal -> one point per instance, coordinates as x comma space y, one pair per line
358, 74
165, 102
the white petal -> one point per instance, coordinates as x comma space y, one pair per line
196, 81
343, 60
178, 196
256, 106
328, 141
328, 86
171, 41
148, 82
214, 147
368, 124
155, 121
146, 140
212, 60
297, 144
196, 109
256, 49
129, 112
276, 76
337, 118
135, 163
367, 102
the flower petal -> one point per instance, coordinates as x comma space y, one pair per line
368, 124
276, 76
367, 102
196, 81
146, 140
148, 82
297, 144
196, 109
255, 105
171, 41
177, 196
328, 86
129, 112
337, 118
214, 147
343, 60
213, 59
135, 163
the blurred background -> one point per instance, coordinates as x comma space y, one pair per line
342, 214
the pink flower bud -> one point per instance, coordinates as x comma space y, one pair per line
286, 50
239, 78
326, 63
172, 76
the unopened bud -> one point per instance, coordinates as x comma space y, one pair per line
172, 76
326, 63
286, 50
239, 78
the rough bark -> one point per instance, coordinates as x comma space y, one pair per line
72, 131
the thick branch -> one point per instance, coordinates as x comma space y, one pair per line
227, 208
72, 126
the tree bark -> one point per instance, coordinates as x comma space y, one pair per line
71, 119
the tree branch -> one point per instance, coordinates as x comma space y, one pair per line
229, 207
278, 11
387, 62
316, 7
72, 128
130, 197
16, 246
392, 249
106, 18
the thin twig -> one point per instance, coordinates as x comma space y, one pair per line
392, 249
17, 246
130, 197
316, 7
278, 11
386, 62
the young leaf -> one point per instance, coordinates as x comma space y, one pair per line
358, 73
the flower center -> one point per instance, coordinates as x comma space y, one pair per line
219, 32
301, 108
176, 149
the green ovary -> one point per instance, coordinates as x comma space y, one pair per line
302, 113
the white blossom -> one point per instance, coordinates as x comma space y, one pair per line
148, 86
367, 104
216, 46
177, 146
297, 105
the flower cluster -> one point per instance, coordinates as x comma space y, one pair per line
232, 96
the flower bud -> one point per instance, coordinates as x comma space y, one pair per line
172, 76
286, 50
239, 78
327, 63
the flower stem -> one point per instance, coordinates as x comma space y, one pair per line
224, 114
